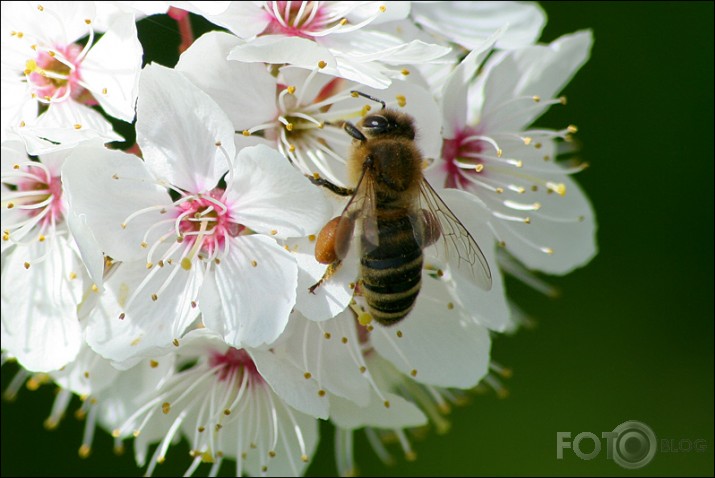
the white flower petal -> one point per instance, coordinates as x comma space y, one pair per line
400, 414
469, 23
560, 235
245, 19
130, 324
64, 125
88, 374
295, 446
111, 68
89, 249
57, 23
13, 152
245, 91
357, 12
255, 285
328, 352
435, 343
129, 391
108, 12
202, 7
179, 128
39, 304
488, 307
368, 46
104, 188
372, 74
332, 296
16, 102
289, 384
454, 92
272, 197
280, 49
533, 71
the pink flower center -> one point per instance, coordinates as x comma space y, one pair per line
40, 197
235, 362
55, 74
299, 19
462, 157
205, 221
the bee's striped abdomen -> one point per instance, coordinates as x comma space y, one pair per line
391, 273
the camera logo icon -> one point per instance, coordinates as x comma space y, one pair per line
631, 444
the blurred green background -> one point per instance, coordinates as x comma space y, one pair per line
631, 337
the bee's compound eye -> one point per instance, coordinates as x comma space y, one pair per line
376, 123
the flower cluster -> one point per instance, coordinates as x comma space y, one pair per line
171, 283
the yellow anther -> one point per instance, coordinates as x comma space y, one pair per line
84, 450
558, 188
364, 318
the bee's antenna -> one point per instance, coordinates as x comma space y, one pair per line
355, 93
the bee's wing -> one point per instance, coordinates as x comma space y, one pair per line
360, 209
455, 244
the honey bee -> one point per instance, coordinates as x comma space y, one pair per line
398, 215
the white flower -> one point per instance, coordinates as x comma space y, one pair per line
300, 111
43, 276
339, 36
48, 78
230, 404
187, 243
387, 412
108, 395
539, 213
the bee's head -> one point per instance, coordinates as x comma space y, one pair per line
388, 124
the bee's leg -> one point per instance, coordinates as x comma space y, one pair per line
332, 269
339, 190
